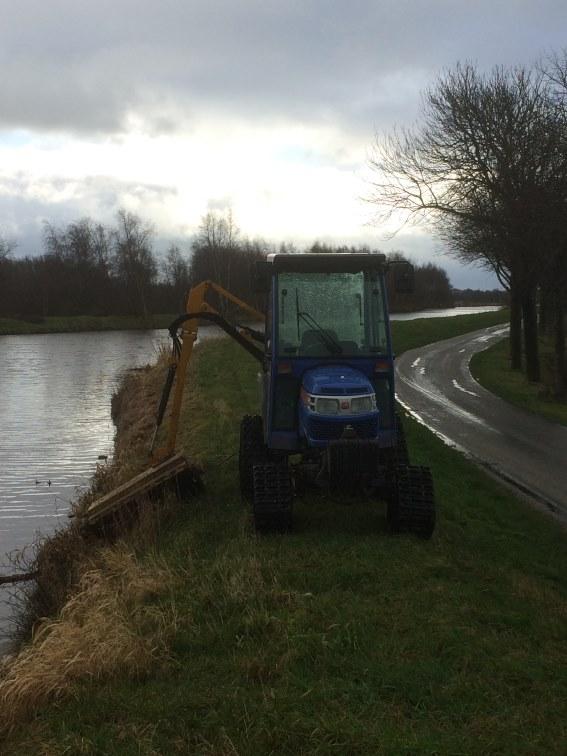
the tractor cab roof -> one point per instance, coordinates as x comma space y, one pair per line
324, 262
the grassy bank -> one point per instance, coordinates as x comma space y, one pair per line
491, 368
337, 638
410, 334
73, 324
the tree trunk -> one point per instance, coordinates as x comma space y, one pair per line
544, 311
515, 328
529, 316
142, 297
560, 366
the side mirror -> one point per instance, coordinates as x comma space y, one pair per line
261, 277
403, 272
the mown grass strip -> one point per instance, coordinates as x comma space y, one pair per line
339, 638
73, 324
491, 368
410, 334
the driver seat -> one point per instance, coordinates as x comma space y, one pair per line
312, 344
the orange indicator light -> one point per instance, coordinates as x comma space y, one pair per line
382, 366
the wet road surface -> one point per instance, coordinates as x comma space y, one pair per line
529, 452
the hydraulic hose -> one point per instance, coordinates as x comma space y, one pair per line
222, 323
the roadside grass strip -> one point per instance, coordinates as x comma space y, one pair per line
491, 368
410, 334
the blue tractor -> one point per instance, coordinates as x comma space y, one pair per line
328, 413
328, 410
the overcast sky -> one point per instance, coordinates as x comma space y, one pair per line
173, 107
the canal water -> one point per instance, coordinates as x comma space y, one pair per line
448, 313
55, 422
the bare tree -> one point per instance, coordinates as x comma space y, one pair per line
217, 241
175, 269
82, 251
7, 246
220, 254
134, 261
478, 171
553, 301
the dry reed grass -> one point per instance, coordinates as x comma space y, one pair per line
58, 559
134, 406
89, 613
111, 625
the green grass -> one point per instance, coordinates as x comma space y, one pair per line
410, 334
72, 324
491, 368
339, 638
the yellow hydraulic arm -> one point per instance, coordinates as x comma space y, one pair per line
197, 309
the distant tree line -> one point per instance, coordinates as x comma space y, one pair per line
477, 297
487, 167
87, 268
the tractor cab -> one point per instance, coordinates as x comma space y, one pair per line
328, 372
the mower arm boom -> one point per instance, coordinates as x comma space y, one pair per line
197, 309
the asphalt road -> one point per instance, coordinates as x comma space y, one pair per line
529, 452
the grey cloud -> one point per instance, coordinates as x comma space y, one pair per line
221, 204
77, 66
24, 210
23, 185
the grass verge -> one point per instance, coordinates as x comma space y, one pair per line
108, 627
410, 334
491, 368
337, 638
73, 324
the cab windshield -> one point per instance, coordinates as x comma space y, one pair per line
331, 314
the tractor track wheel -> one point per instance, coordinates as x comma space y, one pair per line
272, 498
402, 454
412, 506
252, 451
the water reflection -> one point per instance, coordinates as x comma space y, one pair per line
448, 313
55, 422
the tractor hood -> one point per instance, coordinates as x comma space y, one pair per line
336, 380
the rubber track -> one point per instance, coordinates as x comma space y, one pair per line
402, 453
273, 497
252, 451
413, 510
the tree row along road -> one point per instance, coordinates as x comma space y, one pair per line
434, 383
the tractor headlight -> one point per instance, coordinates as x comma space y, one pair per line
327, 406
360, 404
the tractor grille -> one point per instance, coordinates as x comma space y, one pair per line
330, 430
341, 391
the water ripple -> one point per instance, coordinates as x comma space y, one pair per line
55, 392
